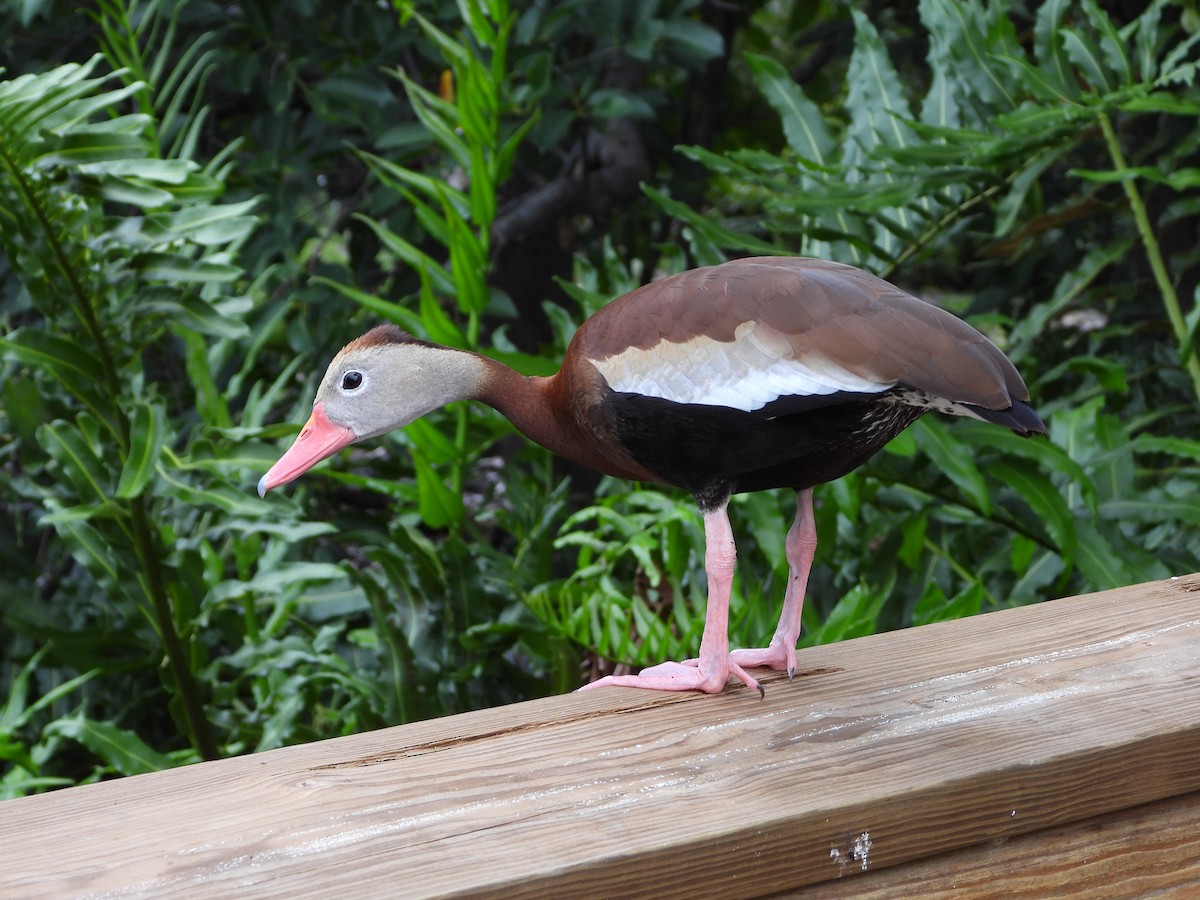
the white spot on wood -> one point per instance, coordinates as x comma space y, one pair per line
857, 851
862, 850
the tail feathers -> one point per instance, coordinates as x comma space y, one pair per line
1020, 417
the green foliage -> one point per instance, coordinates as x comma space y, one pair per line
199, 204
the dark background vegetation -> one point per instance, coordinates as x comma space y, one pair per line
201, 202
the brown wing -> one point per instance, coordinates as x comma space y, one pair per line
789, 327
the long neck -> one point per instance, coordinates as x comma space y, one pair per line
524, 401
550, 412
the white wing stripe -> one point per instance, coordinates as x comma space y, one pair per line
747, 374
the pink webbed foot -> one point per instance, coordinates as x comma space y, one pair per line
779, 655
684, 676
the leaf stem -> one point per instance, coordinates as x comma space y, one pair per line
1153, 251
148, 553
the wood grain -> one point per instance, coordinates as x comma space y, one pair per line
889, 749
1148, 851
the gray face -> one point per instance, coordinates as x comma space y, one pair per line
373, 389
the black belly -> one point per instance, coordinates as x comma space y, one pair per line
713, 451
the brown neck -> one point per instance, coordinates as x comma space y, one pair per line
547, 411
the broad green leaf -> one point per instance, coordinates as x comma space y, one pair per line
437, 324
392, 312
976, 38
84, 512
1012, 204
1045, 500
443, 283
431, 442
1044, 453
941, 104
719, 235
1109, 374
278, 578
292, 532
157, 171
1099, 560
481, 28
912, 545
453, 51
146, 435
1162, 102
477, 110
439, 117
89, 150
68, 361
855, 615
198, 187
483, 197
238, 503
878, 105
468, 258
614, 103
878, 115
1036, 82
121, 750
205, 224
1179, 65
88, 545
400, 176
1075, 431
1085, 55
1108, 560
1182, 179
903, 444
1045, 568
222, 318
193, 313
78, 461
129, 191
935, 606
1146, 39
936, 441
439, 507
1047, 41
1187, 448
81, 100
803, 124
508, 150
175, 267
17, 712
1112, 44
1157, 509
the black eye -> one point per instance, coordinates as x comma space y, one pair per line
351, 381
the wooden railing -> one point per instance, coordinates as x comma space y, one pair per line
1045, 750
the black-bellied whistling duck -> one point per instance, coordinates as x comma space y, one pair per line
758, 373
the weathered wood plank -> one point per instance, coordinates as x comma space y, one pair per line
1148, 851
891, 748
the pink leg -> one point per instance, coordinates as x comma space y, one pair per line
801, 546
711, 670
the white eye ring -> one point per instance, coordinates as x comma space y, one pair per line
352, 380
